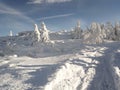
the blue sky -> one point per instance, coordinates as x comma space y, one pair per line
20, 15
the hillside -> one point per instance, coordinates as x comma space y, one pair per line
59, 64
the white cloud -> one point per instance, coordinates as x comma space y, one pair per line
35, 1
56, 16
46, 1
4, 9
8, 12
57, 1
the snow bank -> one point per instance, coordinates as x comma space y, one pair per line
72, 75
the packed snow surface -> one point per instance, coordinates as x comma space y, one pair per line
59, 64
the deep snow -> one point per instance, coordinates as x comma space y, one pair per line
59, 64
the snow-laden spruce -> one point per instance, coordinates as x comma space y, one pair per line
41, 35
36, 37
117, 30
94, 34
44, 32
97, 33
110, 31
10, 34
77, 31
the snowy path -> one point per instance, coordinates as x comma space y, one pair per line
92, 71
103, 79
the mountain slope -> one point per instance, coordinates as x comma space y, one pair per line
60, 64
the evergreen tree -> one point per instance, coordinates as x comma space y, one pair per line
36, 34
44, 32
77, 33
110, 32
117, 30
10, 34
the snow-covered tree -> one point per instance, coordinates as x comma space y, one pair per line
94, 35
10, 34
103, 31
77, 32
93, 27
44, 32
99, 37
36, 34
110, 32
117, 30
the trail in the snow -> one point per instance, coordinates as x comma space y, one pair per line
77, 73
89, 70
104, 79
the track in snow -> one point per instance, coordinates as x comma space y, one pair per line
91, 73
103, 79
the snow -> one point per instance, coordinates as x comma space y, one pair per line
36, 34
60, 63
11, 34
44, 33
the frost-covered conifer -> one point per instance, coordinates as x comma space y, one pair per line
94, 35
99, 37
110, 32
103, 31
36, 34
93, 27
77, 33
117, 30
44, 32
10, 34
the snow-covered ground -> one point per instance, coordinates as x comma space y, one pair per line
60, 64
